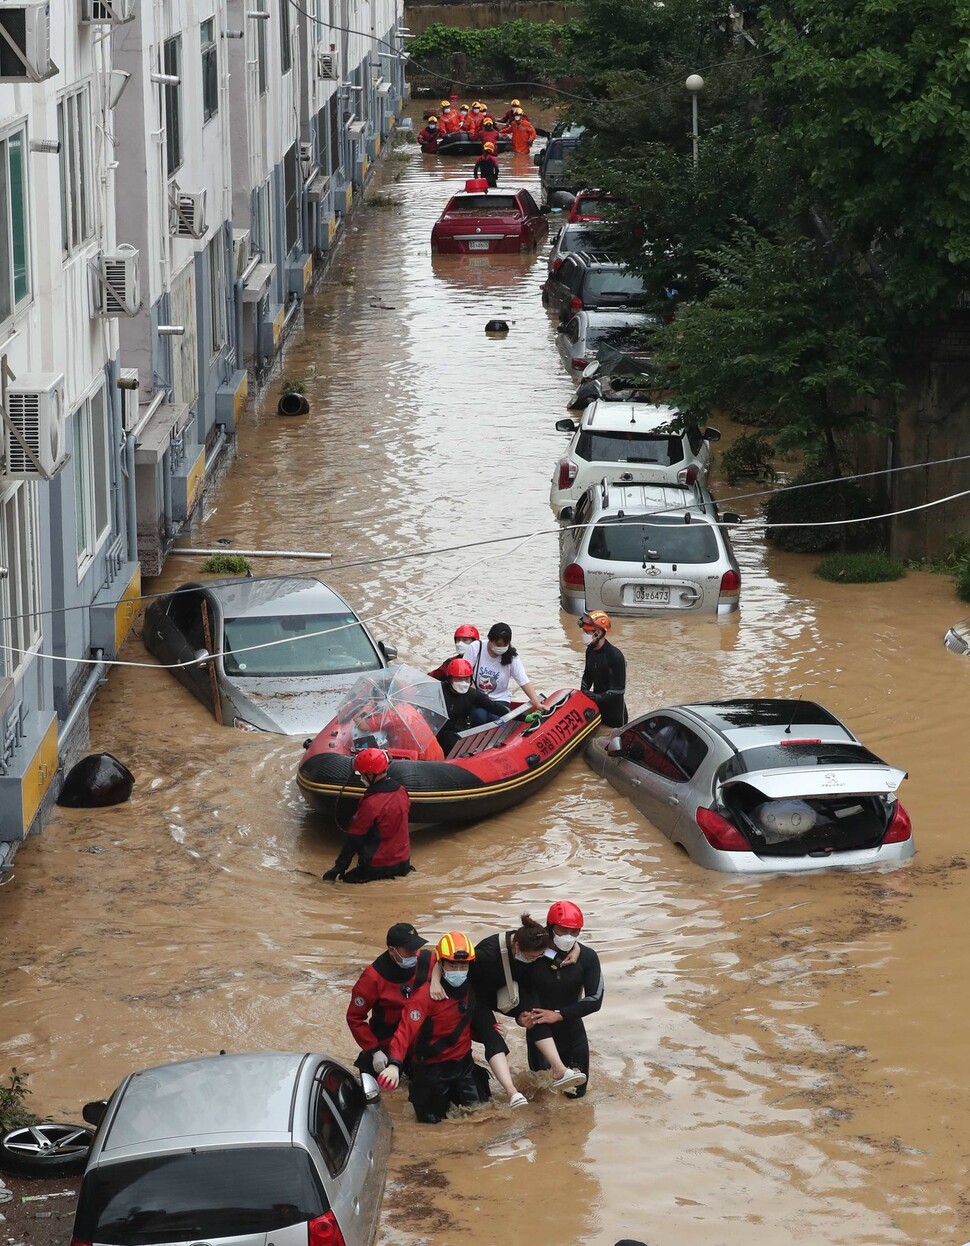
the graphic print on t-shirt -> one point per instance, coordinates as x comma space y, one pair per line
488, 676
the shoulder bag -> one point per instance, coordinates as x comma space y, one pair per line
507, 997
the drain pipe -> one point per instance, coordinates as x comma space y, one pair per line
98, 674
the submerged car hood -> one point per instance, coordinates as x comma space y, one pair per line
299, 706
821, 781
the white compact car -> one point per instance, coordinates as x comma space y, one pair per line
629, 443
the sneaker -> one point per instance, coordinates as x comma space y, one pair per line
518, 1100
571, 1077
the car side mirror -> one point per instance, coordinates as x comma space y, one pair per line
389, 651
565, 426
94, 1112
537, 158
614, 744
372, 1092
711, 434
566, 515
731, 517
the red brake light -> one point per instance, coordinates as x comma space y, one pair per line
76, 1241
687, 475
573, 576
575, 304
555, 265
720, 833
730, 582
900, 828
783, 743
567, 473
580, 363
325, 1231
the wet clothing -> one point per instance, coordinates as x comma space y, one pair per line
378, 834
473, 123
449, 121
604, 681
379, 997
490, 676
575, 989
428, 139
461, 707
486, 166
436, 1037
488, 977
522, 134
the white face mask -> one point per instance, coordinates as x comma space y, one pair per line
455, 977
589, 638
460, 685
564, 943
460, 646
499, 649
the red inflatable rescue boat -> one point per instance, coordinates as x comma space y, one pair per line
490, 769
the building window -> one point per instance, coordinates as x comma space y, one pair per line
286, 47
210, 70
73, 121
291, 197
14, 238
334, 129
92, 490
172, 64
217, 294
263, 223
20, 591
259, 6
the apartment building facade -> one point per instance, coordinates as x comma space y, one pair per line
173, 174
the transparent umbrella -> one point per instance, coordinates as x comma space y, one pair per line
400, 707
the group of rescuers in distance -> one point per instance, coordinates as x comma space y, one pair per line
478, 123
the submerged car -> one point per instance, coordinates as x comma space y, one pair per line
648, 550
587, 279
489, 222
758, 785
580, 337
573, 236
249, 1149
957, 638
629, 443
280, 653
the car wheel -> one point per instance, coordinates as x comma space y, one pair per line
47, 1149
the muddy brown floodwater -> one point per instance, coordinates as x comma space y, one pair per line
778, 1060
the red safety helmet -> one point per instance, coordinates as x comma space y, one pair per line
371, 761
565, 913
458, 668
465, 631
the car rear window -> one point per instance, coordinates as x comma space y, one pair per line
623, 447
574, 239
198, 1195
784, 756
483, 205
612, 285
658, 539
296, 644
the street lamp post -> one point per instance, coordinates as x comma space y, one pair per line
694, 84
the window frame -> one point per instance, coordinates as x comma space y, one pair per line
20, 592
75, 168
286, 44
259, 6
209, 52
216, 264
15, 256
172, 105
92, 476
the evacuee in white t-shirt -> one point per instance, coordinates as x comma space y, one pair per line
495, 664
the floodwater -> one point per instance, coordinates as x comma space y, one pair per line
779, 1060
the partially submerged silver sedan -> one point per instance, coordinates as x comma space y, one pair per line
288, 1148
957, 639
280, 653
755, 786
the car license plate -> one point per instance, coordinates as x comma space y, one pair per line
643, 594
478, 244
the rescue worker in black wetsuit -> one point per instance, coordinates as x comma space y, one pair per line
486, 166
460, 700
381, 993
436, 1037
604, 676
566, 984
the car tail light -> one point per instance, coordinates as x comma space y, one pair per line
687, 475
580, 363
325, 1231
788, 743
900, 828
730, 588
76, 1241
720, 833
555, 265
573, 576
567, 473
575, 304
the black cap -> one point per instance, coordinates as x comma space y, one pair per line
404, 935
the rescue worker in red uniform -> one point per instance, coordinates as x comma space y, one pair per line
382, 991
465, 633
429, 137
436, 1036
448, 119
488, 132
521, 132
378, 834
506, 118
473, 122
486, 166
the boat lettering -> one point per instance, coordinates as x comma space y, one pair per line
557, 733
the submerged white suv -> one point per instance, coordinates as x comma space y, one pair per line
629, 443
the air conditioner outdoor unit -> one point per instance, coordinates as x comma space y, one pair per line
33, 428
327, 64
130, 397
240, 251
188, 214
119, 292
107, 12
25, 43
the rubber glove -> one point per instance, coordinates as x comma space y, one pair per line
379, 1061
534, 716
389, 1079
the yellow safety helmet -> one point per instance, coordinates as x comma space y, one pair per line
518, 113
489, 147
455, 946
516, 103
446, 103
434, 119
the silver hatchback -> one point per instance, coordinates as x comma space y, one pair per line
759, 785
288, 1148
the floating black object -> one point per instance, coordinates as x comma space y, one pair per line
293, 404
96, 781
497, 326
